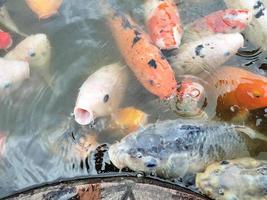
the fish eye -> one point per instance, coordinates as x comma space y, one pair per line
256, 94
138, 155
106, 98
32, 53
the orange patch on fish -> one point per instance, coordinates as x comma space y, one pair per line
146, 61
239, 89
223, 21
128, 119
164, 24
5, 40
44, 8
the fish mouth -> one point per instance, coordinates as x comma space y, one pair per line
83, 116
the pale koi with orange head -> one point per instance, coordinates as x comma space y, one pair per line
240, 89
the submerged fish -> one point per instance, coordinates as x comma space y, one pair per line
12, 74
163, 23
36, 50
101, 94
222, 21
244, 178
128, 119
44, 8
7, 22
5, 40
146, 61
176, 148
238, 90
193, 98
256, 32
206, 54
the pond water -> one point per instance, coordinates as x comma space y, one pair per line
41, 136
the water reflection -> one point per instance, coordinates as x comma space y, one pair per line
43, 143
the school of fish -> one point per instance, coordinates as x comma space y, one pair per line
207, 141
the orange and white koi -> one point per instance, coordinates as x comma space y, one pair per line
163, 23
206, 53
5, 40
222, 21
238, 90
44, 8
101, 94
256, 32
145, 59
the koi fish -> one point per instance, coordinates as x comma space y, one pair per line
5, 40
8, 23
191, 99
256, 32
44, 8
238, 90
206, 53
176, 148
101, 94
128, 119
12, 74
146, 61
222, 21
243, 178
163, 23
36, 50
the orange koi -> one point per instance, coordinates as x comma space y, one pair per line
44, 8
164, 24
128, 119
222, 21
238, 90
146, 61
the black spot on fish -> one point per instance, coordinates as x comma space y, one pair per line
224, 162
106, 98
136, 38
151, 82
125, 22
152, 63
234, 27
227, 54
198, 50
260, 12
263, 66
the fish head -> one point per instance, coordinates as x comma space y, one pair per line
252, 94
128, 154
238, 19
36, 50
189, 98
92, 103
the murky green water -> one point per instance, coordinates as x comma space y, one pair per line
41, 133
